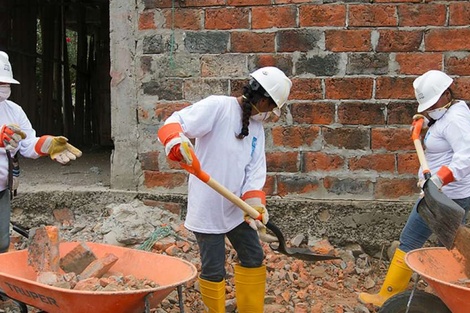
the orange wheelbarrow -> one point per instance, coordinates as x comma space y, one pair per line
444, 271
18, 282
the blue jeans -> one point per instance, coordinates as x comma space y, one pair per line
5, 211
244, 240
416, 230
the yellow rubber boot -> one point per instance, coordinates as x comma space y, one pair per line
250, 285
396, 280
213, 295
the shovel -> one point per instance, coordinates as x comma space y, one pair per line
298, 253
443, 216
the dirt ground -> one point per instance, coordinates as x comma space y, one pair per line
91, 170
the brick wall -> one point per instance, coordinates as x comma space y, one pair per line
345, 133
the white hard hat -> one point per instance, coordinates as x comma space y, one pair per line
276, 84
429, 87
6, 73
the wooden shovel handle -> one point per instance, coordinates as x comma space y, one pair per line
417, 126
248, 209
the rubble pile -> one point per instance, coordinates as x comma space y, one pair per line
292, 285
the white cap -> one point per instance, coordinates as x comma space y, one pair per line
276, 84
6, 73
429, 87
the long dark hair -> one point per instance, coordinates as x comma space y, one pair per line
253, 92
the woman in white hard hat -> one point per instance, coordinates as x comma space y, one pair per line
447, 143
229, 143
18, 136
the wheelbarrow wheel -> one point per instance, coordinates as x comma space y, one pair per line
422, 302
9, 305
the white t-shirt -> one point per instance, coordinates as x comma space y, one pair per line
237, 164
11, 113
447, 142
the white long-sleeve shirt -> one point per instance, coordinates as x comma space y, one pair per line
11, 113
237, 164
447, 142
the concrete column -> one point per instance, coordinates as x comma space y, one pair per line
124, 132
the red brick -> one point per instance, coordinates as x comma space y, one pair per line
295, 185
189, 19
149, 160
347, 137
282, 161
461, 88
275, 16
306, 89
360, 113
77, 259
322, 15
391, 139
349, 88
407, 163
418, 63
459, 13
426, 14
164, 110
348, 40
372, 15
395, 188
313, 113
99, 267
269, 185
147, 20
398, 1
202, 3
249, 42
457, 64
43, 249
227, 18
294, 136
392, 40
381, 162
447, 39
319, 161
394, 88
248, 2
282, 61
401, 113
161, 179
291, 1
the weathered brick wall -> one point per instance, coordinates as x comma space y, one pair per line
345, 132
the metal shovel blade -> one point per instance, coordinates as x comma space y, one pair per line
443, 216
298, 253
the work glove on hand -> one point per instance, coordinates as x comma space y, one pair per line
257, 200
57, 148
418, 117
177, 146
443, 176
10, 136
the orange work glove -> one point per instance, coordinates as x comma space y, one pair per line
57, 148
177, 146
10, 136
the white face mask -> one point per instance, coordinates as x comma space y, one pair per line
439, 112
5, 92
261, 117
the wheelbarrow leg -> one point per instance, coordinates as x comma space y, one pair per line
180, 298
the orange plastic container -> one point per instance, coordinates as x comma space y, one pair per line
17, 280
442, 270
